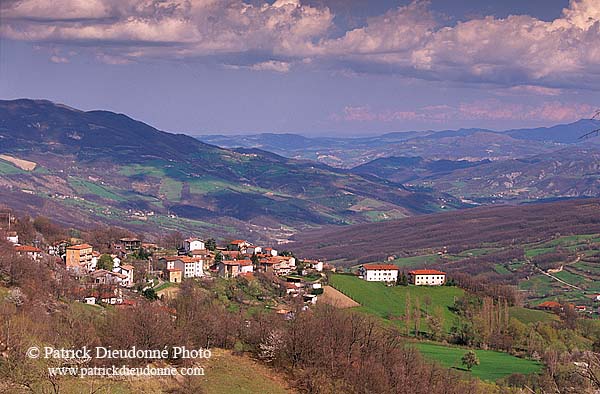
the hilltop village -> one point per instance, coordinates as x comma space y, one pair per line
243, 296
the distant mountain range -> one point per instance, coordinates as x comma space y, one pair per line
101, 167
475, 165
463, 144
573, 171
87, 168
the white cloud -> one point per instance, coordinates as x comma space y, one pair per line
181, 28
512, 51
517, 50
551, 111
272, 65
58, 59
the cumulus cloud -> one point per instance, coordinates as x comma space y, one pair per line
271, 65
58, 59
552, 111
176, 28
517, 50
513, 51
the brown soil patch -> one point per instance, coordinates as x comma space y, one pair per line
335, 298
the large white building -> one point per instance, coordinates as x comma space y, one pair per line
427, 277
378, 272
191, 267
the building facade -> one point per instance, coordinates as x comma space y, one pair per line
378, 272
79, 256
427, 277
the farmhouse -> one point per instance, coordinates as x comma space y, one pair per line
427, 277
26, 250
549, 306
378, 272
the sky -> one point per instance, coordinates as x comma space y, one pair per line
313, 67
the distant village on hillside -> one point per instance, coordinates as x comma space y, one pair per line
116, 277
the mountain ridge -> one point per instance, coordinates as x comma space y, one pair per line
108, 167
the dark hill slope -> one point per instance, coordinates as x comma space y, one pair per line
460, 230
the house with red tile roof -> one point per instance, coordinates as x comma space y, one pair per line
378, 272
279, 265
30, 251
549, 306
238, 244
234, 268
426, 277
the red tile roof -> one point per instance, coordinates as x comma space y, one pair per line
183, 259
27, 248
549, 304
426, 272
79, 247
380, 267
243, 263
230, 253
237, 242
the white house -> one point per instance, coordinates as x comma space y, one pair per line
238, 244
378, 272
31, 251
12, 237
191, 267
314, 264
253, 249
127, 270
427, 277
193, 244
93, 264
270, 252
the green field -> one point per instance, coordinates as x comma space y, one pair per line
421, 261
390, 302
8, 169
84, 187
526, 316
493, 365
171, 189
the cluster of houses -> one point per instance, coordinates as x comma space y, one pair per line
389, 273
99, 284
192, 260
238, 258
